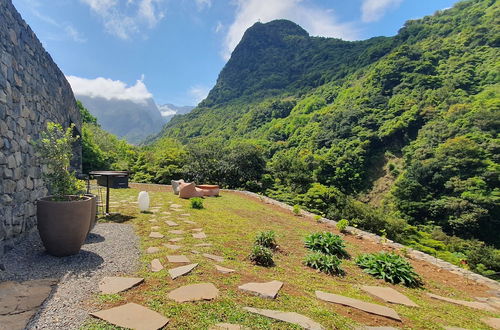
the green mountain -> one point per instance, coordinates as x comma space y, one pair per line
408, 123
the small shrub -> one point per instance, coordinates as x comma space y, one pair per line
390, 267
342, 225
262, 256
296, 209
266, 239
317, 218
327, 243
196, 203
328, 264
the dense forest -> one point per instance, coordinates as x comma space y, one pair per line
398, 135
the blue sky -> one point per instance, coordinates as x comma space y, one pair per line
173, 50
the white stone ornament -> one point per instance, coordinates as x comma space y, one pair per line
143, 201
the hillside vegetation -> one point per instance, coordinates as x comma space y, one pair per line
317, 121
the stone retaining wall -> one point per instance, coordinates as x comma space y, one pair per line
33, 91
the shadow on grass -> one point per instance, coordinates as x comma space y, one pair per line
116, 218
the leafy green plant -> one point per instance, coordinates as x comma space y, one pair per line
390, 267
317, 218
325, 263
196, 203
266, 239
342, 225
296, 209
54, 148
262, 256
327, 243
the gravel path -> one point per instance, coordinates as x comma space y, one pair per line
110, 249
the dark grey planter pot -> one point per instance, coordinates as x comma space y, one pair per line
93, 211
63, 225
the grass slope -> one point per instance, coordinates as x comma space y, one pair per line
231, 223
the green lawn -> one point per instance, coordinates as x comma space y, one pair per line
231, 223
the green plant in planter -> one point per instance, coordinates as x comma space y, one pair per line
54, 149
390, 267
196, 203
327, 243
325, 263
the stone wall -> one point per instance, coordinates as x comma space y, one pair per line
33, 91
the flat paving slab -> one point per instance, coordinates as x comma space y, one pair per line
471, 304
213, 257
19, 301
197, 230
359, 304
175, 206
194, 292
189, 222
115, 284
155, 228
177, 232
182, 270
290, 317
155, 234
224, 270
178, 259
389, 295
176, 239
133, 316
152, 250
171, 223
156, 265
200, 235
264, 290
185, 215
493, 322
172, 246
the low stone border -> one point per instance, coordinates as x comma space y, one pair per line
375, 238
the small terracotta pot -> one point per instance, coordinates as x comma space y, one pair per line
63, 225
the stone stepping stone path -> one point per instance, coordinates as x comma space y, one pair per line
389, 295
290, 317
190, 222
492, 301
492, 322
182, 270
224, 270
172, 246
178, 210
203, 245
176, 239
178, 259
155, 228
153, 220
471, 304
197, 230
152, 250
194, 292
200, 235
177, 232
155, 234
115, 284
133, 316
185, 215
264, 290
19, 301
156, 265
359, 304
175, 206
195, 252
171, 223
166, 213
213, 257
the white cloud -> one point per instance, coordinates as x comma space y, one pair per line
219, 27
198, 93
74, 34
166, 111
317, 21
202, 4
127, 19
374, 10
110, 89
